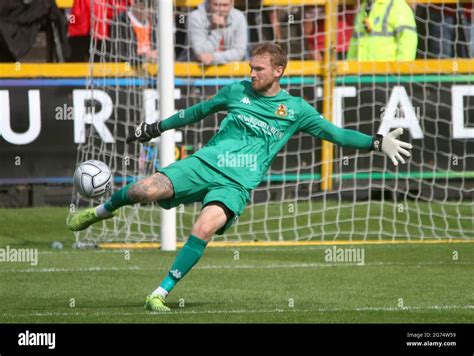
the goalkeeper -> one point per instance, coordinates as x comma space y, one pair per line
261, 118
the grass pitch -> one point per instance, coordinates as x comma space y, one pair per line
398, 283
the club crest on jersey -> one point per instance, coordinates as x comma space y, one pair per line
282, 111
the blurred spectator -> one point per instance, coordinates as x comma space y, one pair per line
276, 17
20, 22
285, 28
217, 34
469, 27
384, 31
133, 34
253, 11
79, 30
446, 30
314, 31
180, 19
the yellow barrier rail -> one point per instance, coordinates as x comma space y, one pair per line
236, 69
65, 4
64, 70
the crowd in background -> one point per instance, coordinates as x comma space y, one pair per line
221, 31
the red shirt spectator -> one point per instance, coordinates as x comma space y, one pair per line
315, 31
103, 12
450, 10
468, 11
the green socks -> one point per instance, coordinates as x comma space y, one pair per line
118, 199
186, 258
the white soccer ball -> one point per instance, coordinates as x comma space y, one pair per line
92, 179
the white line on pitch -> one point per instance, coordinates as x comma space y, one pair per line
234, 266
181, 311
67, 270
248, 248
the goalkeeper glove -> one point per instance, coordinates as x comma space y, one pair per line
145, 132
392, 147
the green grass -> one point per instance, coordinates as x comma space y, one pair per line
100, 286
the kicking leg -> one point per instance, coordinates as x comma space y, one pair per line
146, 190
212, 218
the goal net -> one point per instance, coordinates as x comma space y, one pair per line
364, 197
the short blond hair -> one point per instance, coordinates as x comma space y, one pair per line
278, 57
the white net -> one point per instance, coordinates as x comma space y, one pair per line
430, 197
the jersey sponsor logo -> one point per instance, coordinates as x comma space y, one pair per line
245, 100
265, 127
282, 111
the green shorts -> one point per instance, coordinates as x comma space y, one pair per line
196, 181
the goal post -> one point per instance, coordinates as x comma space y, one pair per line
166, 85
359, 196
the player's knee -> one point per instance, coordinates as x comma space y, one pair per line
203, 231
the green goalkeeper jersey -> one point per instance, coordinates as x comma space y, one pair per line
256, 128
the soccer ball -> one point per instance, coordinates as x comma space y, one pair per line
92, 179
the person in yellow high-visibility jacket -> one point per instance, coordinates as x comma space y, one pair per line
384, 30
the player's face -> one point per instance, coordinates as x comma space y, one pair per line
263, 73
220, 7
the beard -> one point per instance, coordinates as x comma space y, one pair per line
261, 85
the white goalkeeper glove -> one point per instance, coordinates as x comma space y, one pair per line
392, 147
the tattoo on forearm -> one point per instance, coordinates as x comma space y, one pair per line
152, 188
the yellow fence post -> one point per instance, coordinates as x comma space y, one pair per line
329, 76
